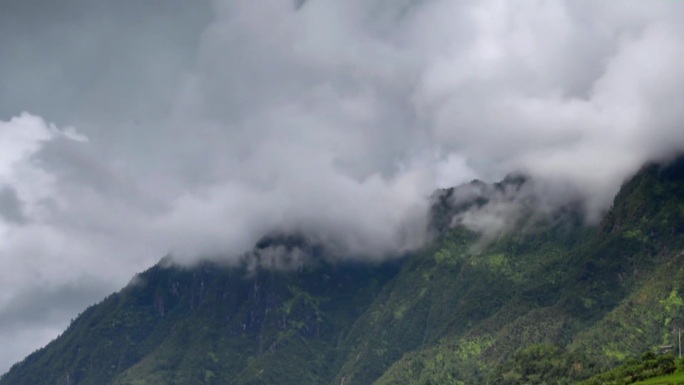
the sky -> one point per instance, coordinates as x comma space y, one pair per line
133, 129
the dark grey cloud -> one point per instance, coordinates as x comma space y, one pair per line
10, 206
91, 62
197, 127
36, 305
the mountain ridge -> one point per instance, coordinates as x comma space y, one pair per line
459, 310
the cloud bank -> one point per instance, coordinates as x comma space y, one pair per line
199, 128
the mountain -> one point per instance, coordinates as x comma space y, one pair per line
544, 298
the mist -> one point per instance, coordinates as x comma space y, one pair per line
133, 130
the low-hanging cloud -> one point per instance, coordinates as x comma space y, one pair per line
212, 124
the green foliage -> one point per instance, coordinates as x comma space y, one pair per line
539, 364
648, 366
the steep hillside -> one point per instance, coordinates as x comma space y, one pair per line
544, 298
210, 325
585, 306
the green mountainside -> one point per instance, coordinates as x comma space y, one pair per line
546, 299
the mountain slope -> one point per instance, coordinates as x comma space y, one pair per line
209, 325
543, 299
612, 294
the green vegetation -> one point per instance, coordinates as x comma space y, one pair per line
549, 301
673, 379
537, 364
633, 370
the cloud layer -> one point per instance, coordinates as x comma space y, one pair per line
199, 128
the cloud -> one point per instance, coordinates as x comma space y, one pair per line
10, 206
201, 127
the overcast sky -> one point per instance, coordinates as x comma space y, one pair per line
131, 129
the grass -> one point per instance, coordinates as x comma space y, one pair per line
674, 379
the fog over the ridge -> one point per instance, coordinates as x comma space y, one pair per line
198, 127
